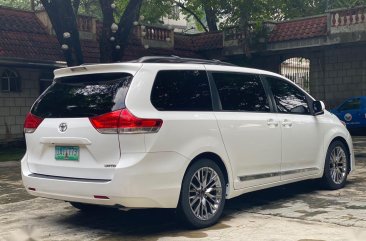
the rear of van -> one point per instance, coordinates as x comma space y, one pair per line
75, 132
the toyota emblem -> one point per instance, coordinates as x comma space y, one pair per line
62, 127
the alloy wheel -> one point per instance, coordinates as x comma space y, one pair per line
338, 165
205, 193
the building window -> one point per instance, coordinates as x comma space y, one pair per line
10, 81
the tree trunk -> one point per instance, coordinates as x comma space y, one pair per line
75, 6
125, 25
106, 46
210, 16
244, 27
63, 20
33, 5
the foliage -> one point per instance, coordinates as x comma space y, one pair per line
152, 10
90, 8
300, 8
346, 3
248, 15
20, 4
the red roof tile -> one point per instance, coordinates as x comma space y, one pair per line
198, 42
299, 29
90, 49
22, 35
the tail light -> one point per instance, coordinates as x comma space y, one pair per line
31, 123
123, 122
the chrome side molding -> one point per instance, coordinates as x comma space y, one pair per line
275, 174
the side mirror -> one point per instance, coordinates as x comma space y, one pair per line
318, 107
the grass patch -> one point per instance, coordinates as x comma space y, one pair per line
11, 153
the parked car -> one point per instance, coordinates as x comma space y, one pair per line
170, 132
353, 113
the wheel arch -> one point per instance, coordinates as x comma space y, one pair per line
341, 139
214, 157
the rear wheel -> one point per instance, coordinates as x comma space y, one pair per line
203, 192
336, 166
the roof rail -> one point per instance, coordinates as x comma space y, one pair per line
177, 59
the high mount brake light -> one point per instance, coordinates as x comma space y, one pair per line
123, 122
31, 123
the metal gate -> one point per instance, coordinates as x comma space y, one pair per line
297, 70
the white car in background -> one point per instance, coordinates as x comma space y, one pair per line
170, 132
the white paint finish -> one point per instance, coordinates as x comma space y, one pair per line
150, 167
253, 143
131, 68
99, 150
238, 69
139, 180
302, 143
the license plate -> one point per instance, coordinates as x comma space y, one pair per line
67, 153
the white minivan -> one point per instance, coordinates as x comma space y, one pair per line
170, 132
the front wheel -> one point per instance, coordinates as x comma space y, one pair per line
203, 192
336, 166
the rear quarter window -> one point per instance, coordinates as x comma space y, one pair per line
83, 96
181, 90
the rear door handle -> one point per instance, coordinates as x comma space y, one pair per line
272, 123
287, 123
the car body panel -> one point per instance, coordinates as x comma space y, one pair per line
353, 118
146, 170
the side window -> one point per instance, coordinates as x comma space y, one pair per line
289, 98
352, 104
241, 92
181, 90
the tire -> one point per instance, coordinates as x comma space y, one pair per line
336, 166
202, 193
85, 207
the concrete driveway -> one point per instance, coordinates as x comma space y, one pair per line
295, 212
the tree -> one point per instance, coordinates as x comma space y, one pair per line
190, 12
119, 17
21, 4
62, 14
210, 14
63, 19
114, 37
125, 25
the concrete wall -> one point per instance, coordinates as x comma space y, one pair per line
15, 105
337, 73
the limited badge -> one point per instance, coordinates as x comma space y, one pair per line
348, 117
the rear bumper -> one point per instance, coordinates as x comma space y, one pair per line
140, 180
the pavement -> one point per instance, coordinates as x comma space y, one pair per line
296, 212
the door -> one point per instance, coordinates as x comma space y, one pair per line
302, 136
350, 113
249, 130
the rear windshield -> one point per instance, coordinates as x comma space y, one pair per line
83, 96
